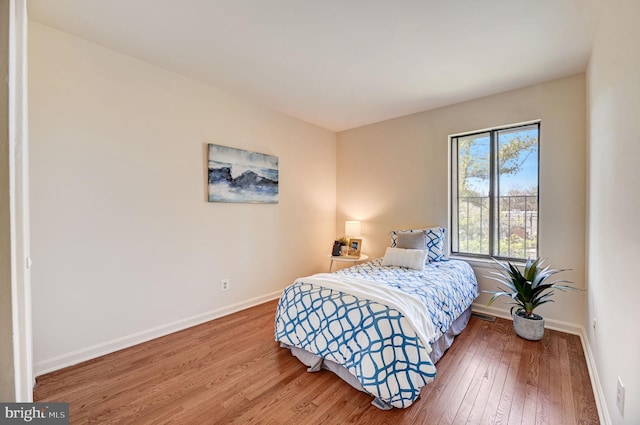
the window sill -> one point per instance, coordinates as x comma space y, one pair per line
485, 263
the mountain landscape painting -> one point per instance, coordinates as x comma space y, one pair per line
237, 175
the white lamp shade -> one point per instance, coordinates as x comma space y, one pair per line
352, 228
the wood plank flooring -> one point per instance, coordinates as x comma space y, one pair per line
231, 371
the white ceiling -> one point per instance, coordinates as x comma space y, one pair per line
341, 64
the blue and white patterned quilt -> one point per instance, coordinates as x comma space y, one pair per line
374, 342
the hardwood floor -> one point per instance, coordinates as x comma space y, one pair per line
231, 371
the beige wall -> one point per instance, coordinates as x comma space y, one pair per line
393, 174
125, 246
7, 388
614, 203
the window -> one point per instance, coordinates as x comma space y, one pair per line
494, 192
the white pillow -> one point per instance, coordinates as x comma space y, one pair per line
410, 258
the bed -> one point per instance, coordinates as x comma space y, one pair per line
380, 328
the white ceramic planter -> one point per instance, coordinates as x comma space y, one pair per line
531, 329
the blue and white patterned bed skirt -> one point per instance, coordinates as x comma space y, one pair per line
374, 342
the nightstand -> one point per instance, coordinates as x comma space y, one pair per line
344, 259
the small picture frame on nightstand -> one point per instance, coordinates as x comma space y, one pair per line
355, 246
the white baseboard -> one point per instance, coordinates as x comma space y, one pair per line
603, 410
556, 325
88, 353
570, 328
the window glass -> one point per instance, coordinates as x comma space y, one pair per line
473, 193
494, 200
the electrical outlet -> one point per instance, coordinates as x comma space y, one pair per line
225, 284
620, 397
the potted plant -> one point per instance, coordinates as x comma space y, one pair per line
343, 241
527, 290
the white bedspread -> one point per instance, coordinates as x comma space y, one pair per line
409, 305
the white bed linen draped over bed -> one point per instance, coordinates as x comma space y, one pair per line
411, 307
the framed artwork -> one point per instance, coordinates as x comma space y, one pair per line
237, 175
355, 246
